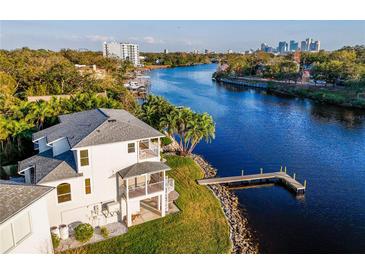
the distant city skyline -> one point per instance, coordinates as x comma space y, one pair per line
156, 36
309, 44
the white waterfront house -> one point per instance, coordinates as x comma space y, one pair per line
124, 51
24, 223
103, 163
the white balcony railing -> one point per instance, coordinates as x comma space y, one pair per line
134, 192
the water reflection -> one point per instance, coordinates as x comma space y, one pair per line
347, 117
350, 118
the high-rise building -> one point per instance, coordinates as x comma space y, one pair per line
166, 51
264, 47
293, 46
206, 51
282, 47
124, 51
303, 46
308, 43
315, 46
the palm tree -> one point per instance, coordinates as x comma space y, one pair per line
189, 127
200, 127
41, 111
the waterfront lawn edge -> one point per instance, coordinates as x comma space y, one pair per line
199, 227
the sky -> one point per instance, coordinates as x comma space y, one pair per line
155, 36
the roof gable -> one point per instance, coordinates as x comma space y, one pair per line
48, 168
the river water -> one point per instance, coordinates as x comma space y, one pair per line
323, 144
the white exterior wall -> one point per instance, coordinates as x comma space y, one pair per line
60, 146
39, 240
104, 162
27, 176
42, 145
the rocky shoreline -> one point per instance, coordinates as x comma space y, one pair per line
242, 239
241, 236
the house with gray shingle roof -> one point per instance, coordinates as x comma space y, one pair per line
24, 222
105, 167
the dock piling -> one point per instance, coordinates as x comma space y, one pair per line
261, 170
294, 176
285, 169
242, 172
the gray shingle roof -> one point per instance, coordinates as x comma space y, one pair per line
98, 126
15, 197
142, 168
48, 168
75, 126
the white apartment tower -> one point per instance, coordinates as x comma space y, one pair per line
124, 51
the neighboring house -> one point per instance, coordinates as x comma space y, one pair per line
103, 163
24, 224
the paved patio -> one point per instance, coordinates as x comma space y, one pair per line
115, 229
149, 211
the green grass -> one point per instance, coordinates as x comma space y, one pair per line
200, 226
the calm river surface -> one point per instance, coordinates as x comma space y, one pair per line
323, 144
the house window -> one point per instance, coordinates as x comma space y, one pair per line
84, 157
131, 148
87, 186
64, 192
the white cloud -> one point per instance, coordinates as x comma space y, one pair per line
147, 40
189, 42
99, 38
152, 40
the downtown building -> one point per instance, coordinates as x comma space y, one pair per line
123, 51
310, 45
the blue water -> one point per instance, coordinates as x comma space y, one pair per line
323, 144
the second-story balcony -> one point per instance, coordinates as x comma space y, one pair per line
148, 148
143, 180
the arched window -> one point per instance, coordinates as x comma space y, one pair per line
64, 192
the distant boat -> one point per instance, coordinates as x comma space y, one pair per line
133, 85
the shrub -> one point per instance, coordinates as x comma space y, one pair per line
84, 232
165, 141
55, 240
104, 232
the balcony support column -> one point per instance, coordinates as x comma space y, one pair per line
163, 204
146, 183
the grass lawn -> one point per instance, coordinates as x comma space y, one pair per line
200, 227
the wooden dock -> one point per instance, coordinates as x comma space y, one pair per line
288, 181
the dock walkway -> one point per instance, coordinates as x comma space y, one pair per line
290, 182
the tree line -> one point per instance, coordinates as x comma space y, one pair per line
23, 71
175, 59
344, 66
